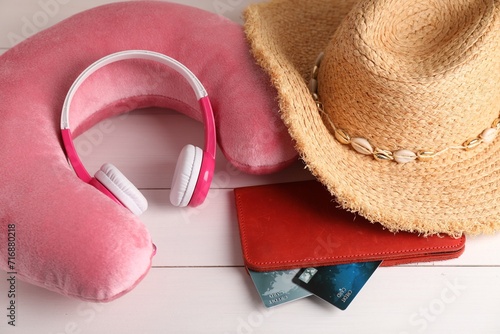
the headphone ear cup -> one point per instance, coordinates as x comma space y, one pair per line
122, 188
186, 175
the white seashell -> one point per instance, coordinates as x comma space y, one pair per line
313, 85
426, 155
496, 124
361, 145
319, 58
489, 135
342, 136
314, 73
382, 155
404, 156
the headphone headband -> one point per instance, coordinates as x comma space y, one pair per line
196, 85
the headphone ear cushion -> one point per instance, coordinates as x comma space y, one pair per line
122, 188
186, 175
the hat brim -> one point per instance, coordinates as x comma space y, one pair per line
454, 193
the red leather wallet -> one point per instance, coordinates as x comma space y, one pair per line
298, 224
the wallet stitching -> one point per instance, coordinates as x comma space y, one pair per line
248, 258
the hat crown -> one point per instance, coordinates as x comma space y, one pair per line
414, 74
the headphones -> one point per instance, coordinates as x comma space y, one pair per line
194, 169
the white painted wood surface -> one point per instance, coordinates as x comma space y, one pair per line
197, 283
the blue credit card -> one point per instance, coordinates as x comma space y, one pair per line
276, 287
338, 284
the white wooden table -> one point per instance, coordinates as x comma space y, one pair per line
198, 283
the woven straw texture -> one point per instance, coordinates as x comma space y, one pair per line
404, 74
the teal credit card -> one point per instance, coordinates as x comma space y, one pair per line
276, 287
338, 284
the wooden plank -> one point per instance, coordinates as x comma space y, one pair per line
24, 18
208, 235
145, 148
204, 236
223, 300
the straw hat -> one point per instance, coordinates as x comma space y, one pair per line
401, 118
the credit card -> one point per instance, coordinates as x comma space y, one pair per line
276, 287
338, 284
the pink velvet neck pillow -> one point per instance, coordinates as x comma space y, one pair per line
69, 237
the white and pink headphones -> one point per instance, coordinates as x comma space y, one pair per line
195, 167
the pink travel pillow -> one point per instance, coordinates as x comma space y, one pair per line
65, 235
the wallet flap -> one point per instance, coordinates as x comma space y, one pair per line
298, 224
